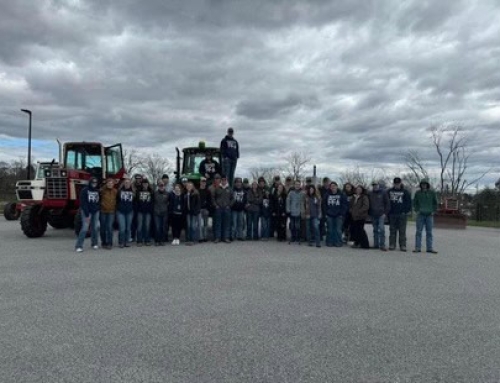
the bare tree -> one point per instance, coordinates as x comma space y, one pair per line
358, 176
452, 147
132, 160
415, 163
154, 166
296, 163
268, 172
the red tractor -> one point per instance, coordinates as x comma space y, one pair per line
60, 204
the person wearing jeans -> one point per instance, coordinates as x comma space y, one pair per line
425, 204
144, 213
108, 211
313, 215
254, 199
230, 152
125, 211
160, 212
400, 207
295, 209
379, 208
238, 209
89, 209
265, 216
222, 200
205, 207
335, 206
193, 207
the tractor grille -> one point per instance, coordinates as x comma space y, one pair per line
24, 194
56, 188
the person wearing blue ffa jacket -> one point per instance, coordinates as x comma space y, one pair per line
335, 206
90, 206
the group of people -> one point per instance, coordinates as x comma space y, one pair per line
252, 211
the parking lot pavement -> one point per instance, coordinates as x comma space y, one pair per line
249, 312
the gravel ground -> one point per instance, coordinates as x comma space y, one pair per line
249, 312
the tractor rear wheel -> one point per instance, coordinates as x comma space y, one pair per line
10, 212
59, 221
34, 221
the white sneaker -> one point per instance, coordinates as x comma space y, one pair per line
177, 242
174, 242
78, 249
95, 247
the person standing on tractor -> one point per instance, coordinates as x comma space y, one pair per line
230, 152
108, 211
209, 168
425, 204
125, 211
89, 209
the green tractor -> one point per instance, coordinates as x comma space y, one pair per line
191, 159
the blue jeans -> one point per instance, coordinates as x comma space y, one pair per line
334, 231
229, 167
378, 231
253, 225
124, 224
426, 221
222, 223
107, 220
295, 228
237, 224
92, 223
265, 227
160, 220
312, 230
204, 224
143, 227
193, 228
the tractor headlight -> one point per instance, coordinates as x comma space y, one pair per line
64, 173
47, 173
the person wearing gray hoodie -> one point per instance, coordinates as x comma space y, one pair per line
295, 209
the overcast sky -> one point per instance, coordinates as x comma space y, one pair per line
353, 82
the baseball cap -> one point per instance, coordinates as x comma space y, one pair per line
164, 176
230, 130
245, 180
288, 178
397, 180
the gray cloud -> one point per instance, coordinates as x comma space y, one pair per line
352, 82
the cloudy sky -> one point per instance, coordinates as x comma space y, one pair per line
354, 82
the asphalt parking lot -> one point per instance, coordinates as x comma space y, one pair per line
249, 312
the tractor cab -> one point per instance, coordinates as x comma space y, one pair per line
191, 160
94, 159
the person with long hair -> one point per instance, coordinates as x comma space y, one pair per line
176, 209
312, 203
359, 207
193, 208
278, 209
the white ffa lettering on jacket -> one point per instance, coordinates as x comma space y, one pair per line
144, 196
238, 196
93, 196
333, 200
209, 168
396, 196
265, 203
127, 196
231, 144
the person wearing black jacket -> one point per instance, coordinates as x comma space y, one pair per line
176, 210
278, 211
238, 209
209, 168
230, 152
205, 208
400, 207
193, 208
144, 198
90, 207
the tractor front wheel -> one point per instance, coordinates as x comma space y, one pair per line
10, 211
34, 221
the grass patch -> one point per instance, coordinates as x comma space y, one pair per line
494, 224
